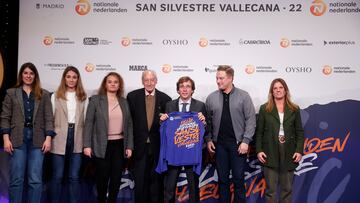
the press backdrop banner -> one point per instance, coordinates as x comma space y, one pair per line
314, 45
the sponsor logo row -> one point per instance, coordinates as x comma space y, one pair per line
247, 69
316, 8
202, 42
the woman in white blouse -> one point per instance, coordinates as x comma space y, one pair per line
69, 106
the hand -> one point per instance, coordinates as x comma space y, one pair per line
243, 148
262, 157
164, 116
47, 144
87, 151
7, 144
211, 147
201, 117
297, 157
128, 153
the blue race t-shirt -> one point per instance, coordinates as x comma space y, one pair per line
181, 138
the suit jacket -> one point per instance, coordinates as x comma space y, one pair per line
195, 106
12, 117
267, 133
97, 123
137, 105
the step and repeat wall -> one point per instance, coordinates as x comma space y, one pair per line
314, 45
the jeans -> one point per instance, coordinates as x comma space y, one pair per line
74, 164
228, 158
33, 157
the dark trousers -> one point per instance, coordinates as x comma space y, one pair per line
148, 183
228, 158
276, 176
170, 181
109, 171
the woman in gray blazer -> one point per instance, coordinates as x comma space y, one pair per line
108, 135
27, 126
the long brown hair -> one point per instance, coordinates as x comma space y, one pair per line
79, 91
36, 85
271, 103
120, 92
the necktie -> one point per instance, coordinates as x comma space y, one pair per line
183, 109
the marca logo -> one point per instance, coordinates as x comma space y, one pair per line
203, 42
82, 7
48, 40
137, 67
284, 43
318, 8
91, 41
327, 70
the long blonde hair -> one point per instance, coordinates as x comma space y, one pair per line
271, 103
79, 91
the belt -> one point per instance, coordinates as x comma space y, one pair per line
28, 125
71, 125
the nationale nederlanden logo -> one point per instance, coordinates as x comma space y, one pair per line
48, 40
284, 43
327, 70
125, 41
318, 7
89, 67
166, 68
203, 42
249, 69
82, 7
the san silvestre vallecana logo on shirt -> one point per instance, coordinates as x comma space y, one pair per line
187, 134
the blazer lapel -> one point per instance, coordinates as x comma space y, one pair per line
63, 106
275, 113
104, 107
287, 113
193, 105
20, 99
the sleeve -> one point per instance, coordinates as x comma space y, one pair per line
208, 134
250, 120
48, 115
260, 130
53, 102
130, 134
89, 123
299, 132
6, 115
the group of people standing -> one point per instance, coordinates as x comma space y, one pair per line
110, 128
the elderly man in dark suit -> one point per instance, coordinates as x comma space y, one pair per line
146, 105
185, 103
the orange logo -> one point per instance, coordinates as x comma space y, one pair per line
284, 43
48, 40
318, 8
89, 67
187, 134
82, 7
125, 41
249, 69
203, 42
166, 68
327, 70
